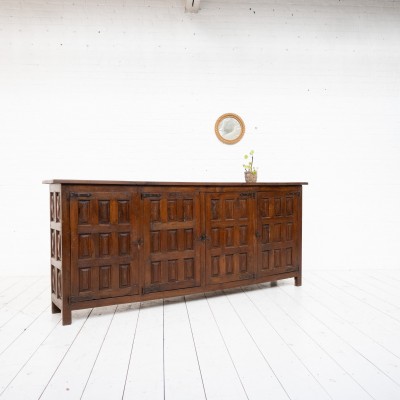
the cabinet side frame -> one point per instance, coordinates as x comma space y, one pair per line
298, 278
66, 256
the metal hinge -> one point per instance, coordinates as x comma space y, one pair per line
251, 195
151, 289
73, 194
146, 195
76, 299
248, 275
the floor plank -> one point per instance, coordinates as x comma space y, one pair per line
17, 290
370, 292
18, 321
221, 379
33, 377
145, 377
71, 375
374, 381
325, 308
242, 346
25, 345
376, 324
7, 282
113, 359
183, 378
312, 359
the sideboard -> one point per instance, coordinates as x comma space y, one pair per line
116, 242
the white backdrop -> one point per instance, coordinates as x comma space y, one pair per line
130, 90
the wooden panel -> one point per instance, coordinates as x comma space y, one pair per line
123, 212
52, 206
124, 275
104, 263
83, 212
230, 236
171, 224
58, 206
278, 232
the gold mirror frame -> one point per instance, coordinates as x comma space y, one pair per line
224, 137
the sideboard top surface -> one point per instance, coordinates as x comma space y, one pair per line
145, 183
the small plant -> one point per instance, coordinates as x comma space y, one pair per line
249, 167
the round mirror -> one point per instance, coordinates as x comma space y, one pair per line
229, 128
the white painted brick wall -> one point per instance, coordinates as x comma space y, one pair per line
130, 89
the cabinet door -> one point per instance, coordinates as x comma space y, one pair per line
104, 245
229, 237
171, 248
278, 232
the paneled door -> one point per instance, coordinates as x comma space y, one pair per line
172, 244
277, 232
104, 244
230, 236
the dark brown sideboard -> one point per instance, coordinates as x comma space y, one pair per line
117, 242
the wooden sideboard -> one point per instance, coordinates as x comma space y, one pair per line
117, 242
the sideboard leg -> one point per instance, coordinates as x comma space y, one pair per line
297, 280
66, 317
54, 309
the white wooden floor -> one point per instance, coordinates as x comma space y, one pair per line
336, 337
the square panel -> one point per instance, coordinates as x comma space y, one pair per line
85, 247
243, 209
85, 279
289, 206
155, 242
229, 236
263, 207
172, 240
52, 207
215, 209
189, 268
53, 243
105, 277
124, 244
188, 211
215, 261
289, 231
229, 264
155, 211
189, 239
123, 212
243, 263
58, 245
53, 279
266, 256
172, 270
104, 244
104, 211
172, 214
155, 272
215, 237
277, 206
58, 207
229, 209
124, 275
265, 235
59, 284
243, 235
83, 212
